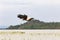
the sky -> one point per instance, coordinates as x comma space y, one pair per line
43, 10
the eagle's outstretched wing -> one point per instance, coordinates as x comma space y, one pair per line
24, 17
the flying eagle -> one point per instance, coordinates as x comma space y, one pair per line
24, 17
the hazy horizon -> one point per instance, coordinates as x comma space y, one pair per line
43, 10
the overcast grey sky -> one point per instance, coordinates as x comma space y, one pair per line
43, 10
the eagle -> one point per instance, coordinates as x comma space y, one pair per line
24, 17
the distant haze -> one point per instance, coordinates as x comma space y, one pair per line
43, 10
